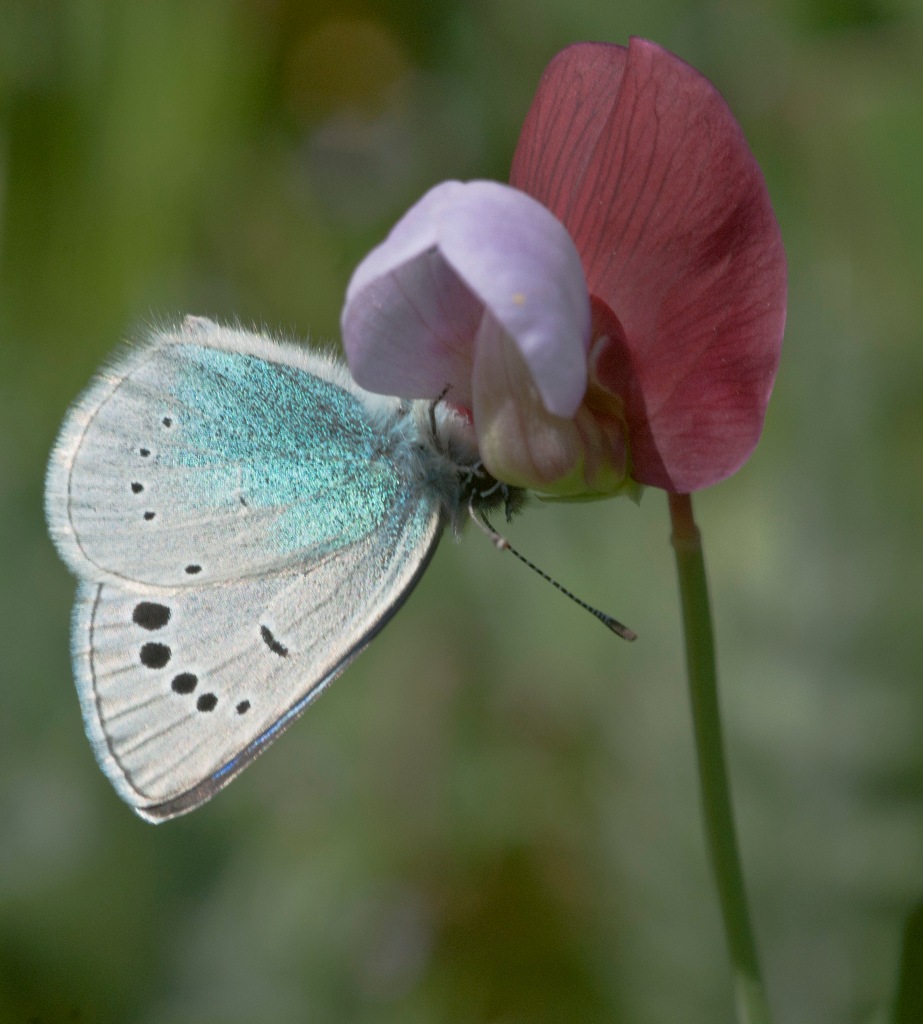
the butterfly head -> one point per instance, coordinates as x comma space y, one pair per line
446, 445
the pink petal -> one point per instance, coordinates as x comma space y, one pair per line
642, 160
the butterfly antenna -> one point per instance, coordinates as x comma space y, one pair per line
504, 545
433, 429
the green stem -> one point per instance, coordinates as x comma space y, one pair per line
713, 780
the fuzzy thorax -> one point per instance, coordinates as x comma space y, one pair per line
440, 445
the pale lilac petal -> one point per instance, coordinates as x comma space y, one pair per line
520, 260
410, 332
518, 439
408, 321
415, 303
522, 443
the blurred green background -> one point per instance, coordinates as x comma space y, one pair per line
492, 817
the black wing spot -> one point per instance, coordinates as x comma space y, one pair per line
185, 682
149, 516
155, 655
191, 570
144, 452
272, 643
150, 615
207, 702
137, 488
243, 707
167, 422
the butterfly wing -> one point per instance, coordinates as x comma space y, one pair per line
181, 689
211, 454
273, 482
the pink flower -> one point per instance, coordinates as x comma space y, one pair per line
652, 363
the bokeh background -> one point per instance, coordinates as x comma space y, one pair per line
492, 817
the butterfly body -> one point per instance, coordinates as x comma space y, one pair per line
243, 519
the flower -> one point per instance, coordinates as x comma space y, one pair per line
479, 289
632, 336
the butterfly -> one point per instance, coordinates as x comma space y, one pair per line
243, 519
